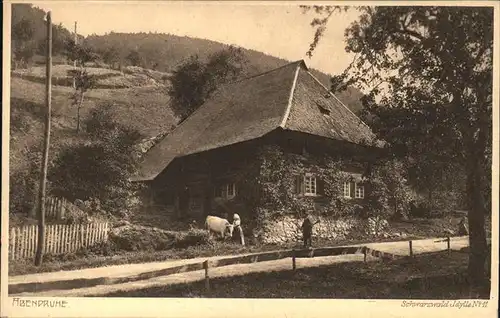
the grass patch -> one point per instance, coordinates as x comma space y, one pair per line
372, 280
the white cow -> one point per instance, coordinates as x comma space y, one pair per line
219, 225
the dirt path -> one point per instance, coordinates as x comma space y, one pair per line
231, 270
397, 248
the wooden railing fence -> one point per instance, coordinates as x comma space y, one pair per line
209, 265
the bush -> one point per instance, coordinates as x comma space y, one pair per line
100, 120
23, 192
154, 239
100, 169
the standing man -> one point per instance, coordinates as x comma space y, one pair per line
462, 227
307, 228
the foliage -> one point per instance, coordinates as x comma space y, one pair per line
29, 32
80, 53
23, 186
387, 191
134, 58
111, 56
430, 70
23, 46
99, 169
100, 121
153, 239
84, 81
194, 81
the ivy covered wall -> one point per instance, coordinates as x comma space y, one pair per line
276, 206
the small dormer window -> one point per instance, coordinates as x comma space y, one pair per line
323, 109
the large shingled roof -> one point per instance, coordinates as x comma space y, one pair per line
288, 97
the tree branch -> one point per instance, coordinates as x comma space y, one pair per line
412, 33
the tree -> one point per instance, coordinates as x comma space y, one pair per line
111, 56
134, 58
60, 37
23, 44
194, 81
80, 53
429, 71
83, 80
83, 83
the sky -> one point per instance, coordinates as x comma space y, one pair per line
280, 30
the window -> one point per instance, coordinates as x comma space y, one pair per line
359, 191
226, 191
354, 187
310, 184
230, 190
347, 189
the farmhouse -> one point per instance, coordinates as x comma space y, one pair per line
271, 146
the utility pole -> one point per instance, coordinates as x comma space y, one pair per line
74, 62
48, 97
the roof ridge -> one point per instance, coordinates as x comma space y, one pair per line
267, 72
341, 103
290, 98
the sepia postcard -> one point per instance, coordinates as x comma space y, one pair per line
250, 159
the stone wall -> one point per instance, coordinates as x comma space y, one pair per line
286, 229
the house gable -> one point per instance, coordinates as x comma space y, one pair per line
316, 111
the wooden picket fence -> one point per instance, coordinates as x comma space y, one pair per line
55, 208
59, 238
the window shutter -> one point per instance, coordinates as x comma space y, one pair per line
321, 186
299, 184
353, 189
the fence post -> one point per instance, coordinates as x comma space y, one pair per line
58, 209
242, 236
294, 266
80, 231
207, 278
411, 248
63, 208
12, 251
364, 254
448, 245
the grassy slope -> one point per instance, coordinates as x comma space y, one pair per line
144, 108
